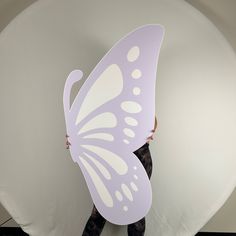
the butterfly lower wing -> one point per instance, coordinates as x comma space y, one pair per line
116, 189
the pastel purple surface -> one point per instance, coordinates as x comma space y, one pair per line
110, 118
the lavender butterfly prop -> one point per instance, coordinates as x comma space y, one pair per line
110, 118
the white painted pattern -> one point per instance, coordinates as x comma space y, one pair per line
103, 136
127, 192
133, 54
98, 183
126, 141
134, 186
111, 158
129, 132
136, 91
131, 107
125, 208
98, 122
112, 80
135, 176
136, 74
100, 166
119, 196
131, 121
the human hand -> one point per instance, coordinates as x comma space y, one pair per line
151, 137
67, 142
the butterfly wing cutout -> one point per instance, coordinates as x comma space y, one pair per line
110, 118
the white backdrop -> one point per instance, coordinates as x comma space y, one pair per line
193, 153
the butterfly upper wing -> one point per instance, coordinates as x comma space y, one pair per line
111, 116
